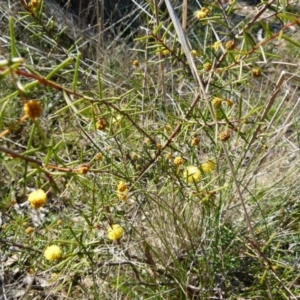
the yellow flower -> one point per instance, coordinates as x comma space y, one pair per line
122, 186
224, 136
101, 124
217, 45
192, 174
237, 58
195, 141
122, 191
178, 161
256, 72
29, 230
136, 63
99, 156
37, 198
229, 102
207, 66
195, 53
33, 109
114, 232
208, 166
83, 169
52, 252
34, 5
165, 52
201, 13
216, 102
230, 45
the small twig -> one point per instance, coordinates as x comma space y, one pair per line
20, 246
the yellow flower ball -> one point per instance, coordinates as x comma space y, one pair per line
122, 191
195, 141
122, 186
83, 169
229, 102
114, 232
29, 230
165, 52
256, 72
33, 109
207, 66
195, 53
101, 124
217, 45
34, 5
37, 198
52, 253
136, 63
178, 161
99, 156
224, 136
192, 174
201, 13
230, 45
216, 102
208, 166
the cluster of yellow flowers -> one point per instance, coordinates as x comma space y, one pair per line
192, 174
229, 45
54, 252
217, 102
122, 191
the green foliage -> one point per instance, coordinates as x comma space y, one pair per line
118, 127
